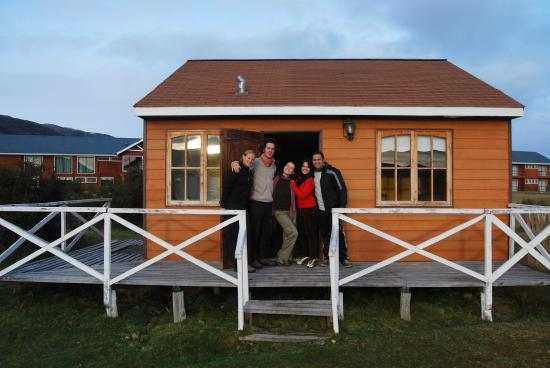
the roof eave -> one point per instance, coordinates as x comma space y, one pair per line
427, 111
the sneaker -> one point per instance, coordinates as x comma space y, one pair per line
256, 265
346, 263
324, 263
312, 263
302, 261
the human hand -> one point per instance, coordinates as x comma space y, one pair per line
235, 167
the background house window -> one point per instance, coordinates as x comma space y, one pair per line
515, 170
413, 168
514, 185
85, 179
34, 160
63, 164
128, 161
86, 165
543, 169
107, 180
542, 185
530, 166
531, 181
193, 168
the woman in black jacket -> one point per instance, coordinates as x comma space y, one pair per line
235, 195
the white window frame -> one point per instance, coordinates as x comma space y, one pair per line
531, 181
29, 159
55, 165
77, 164
531, 166
543, 184
515, 185
65, 178
107, 178
543, 170
515, 170
123, 163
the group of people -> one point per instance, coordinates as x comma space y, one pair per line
301, 204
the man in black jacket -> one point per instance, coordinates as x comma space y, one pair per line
330, 192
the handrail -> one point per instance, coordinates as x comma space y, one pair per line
59, 203
107, 215
488, 277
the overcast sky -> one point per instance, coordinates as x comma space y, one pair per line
83, 64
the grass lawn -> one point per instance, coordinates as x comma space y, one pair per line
65, 326
535, 198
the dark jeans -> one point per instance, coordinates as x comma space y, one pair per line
308, 233
325, 228
260, 221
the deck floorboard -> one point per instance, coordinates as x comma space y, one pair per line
126, 254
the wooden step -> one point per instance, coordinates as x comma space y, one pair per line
265, 337
290, 307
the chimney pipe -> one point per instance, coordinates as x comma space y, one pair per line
241, 85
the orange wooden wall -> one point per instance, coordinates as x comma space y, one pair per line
481, 169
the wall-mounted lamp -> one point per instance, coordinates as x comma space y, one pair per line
348, 127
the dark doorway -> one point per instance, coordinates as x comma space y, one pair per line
292, 146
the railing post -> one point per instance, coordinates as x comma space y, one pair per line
511, 242
334, 271
107, 294
63, 229
242, 272
487, 294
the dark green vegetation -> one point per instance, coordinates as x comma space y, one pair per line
65, 326
10, 125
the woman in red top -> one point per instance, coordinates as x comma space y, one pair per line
308, 231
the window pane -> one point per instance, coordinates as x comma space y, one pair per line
404, 185
213, 151
388, 151
178, 184
193, 185
440, 185
424, 185
34, 160
440, 155
213, 184
86, 165
403, 151
423, 144
388, 185
62, 164
194, 151
178, 152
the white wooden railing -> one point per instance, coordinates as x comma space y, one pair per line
107, 215
488, 277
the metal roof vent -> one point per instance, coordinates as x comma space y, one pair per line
241, 85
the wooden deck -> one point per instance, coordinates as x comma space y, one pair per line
127, 254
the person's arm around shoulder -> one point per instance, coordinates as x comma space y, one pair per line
304, 190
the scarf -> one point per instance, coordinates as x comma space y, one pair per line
267, 161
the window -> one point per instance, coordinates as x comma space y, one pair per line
193, 168
86, 165
66, 178
128, 161
531, 166
531, 181
63, 164
514, 185
515, 170
543, 170
542, 185
34, 160
413, 168
85, 179
107, 180
109, 158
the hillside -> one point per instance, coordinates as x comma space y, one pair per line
11, 125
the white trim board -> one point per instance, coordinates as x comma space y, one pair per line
130, 146
530, 163
330, 111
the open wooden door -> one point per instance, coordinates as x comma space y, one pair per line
233, 143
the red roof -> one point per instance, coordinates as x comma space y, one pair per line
349, 82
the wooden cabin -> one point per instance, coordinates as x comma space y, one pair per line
404, 133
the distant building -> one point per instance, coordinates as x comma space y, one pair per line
529, 171
92, 161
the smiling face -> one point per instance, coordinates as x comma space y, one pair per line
305, 168
318, 161
269, 150
288, 169
248, 159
